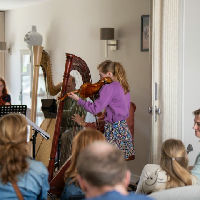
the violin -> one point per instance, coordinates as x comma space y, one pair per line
89, 89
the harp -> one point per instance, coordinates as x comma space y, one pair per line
57, 179
46, 68
48, 124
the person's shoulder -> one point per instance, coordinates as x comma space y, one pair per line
197, 161
155, 170
37, 167
107, 88
117, 87
73, 187
151, 167
196, 168
70, 182
113, 84
7, 97
116, 84
118, 196
71, 190
198, 158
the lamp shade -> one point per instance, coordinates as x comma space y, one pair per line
107, 33
2, 46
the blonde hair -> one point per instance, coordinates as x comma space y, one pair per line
117, 70
13, 147
80, 141
174, 161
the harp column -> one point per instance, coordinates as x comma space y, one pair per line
37, 55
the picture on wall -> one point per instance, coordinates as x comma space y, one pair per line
145, 33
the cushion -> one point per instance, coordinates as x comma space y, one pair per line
179, 193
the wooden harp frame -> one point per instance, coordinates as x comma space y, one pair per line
72, 63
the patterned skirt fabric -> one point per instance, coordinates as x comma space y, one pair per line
118, 133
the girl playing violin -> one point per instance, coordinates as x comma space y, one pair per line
4, 96
115, 99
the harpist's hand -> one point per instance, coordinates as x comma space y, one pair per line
74, 96
78, 119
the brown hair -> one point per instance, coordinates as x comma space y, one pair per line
197, 112
102, 164
13, 147
80, 141
4, 92
118, 71
174, 161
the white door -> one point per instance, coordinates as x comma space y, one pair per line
167, 74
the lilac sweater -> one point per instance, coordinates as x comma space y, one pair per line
113, 100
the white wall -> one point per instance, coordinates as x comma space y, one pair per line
73, 26
191, 73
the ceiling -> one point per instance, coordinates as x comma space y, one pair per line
13, 4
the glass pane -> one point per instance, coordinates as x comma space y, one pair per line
26, 65
25, 78
26, 85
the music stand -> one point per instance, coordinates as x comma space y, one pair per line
6, 109
37, 130
21, 109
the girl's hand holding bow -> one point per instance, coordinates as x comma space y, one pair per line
73, 96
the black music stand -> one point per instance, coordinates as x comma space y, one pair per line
6, 109
21, 109
37, 130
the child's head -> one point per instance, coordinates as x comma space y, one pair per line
174, 161
80, 141
115, 71
84, 138
173, 148
13, 147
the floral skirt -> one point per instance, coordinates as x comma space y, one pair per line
118, 133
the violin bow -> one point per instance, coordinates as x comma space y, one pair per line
66, 95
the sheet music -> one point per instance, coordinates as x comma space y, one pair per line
37, 128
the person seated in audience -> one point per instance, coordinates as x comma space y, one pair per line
4, 96
20, 177
172, 171
196, 168
103, 174
80, 141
